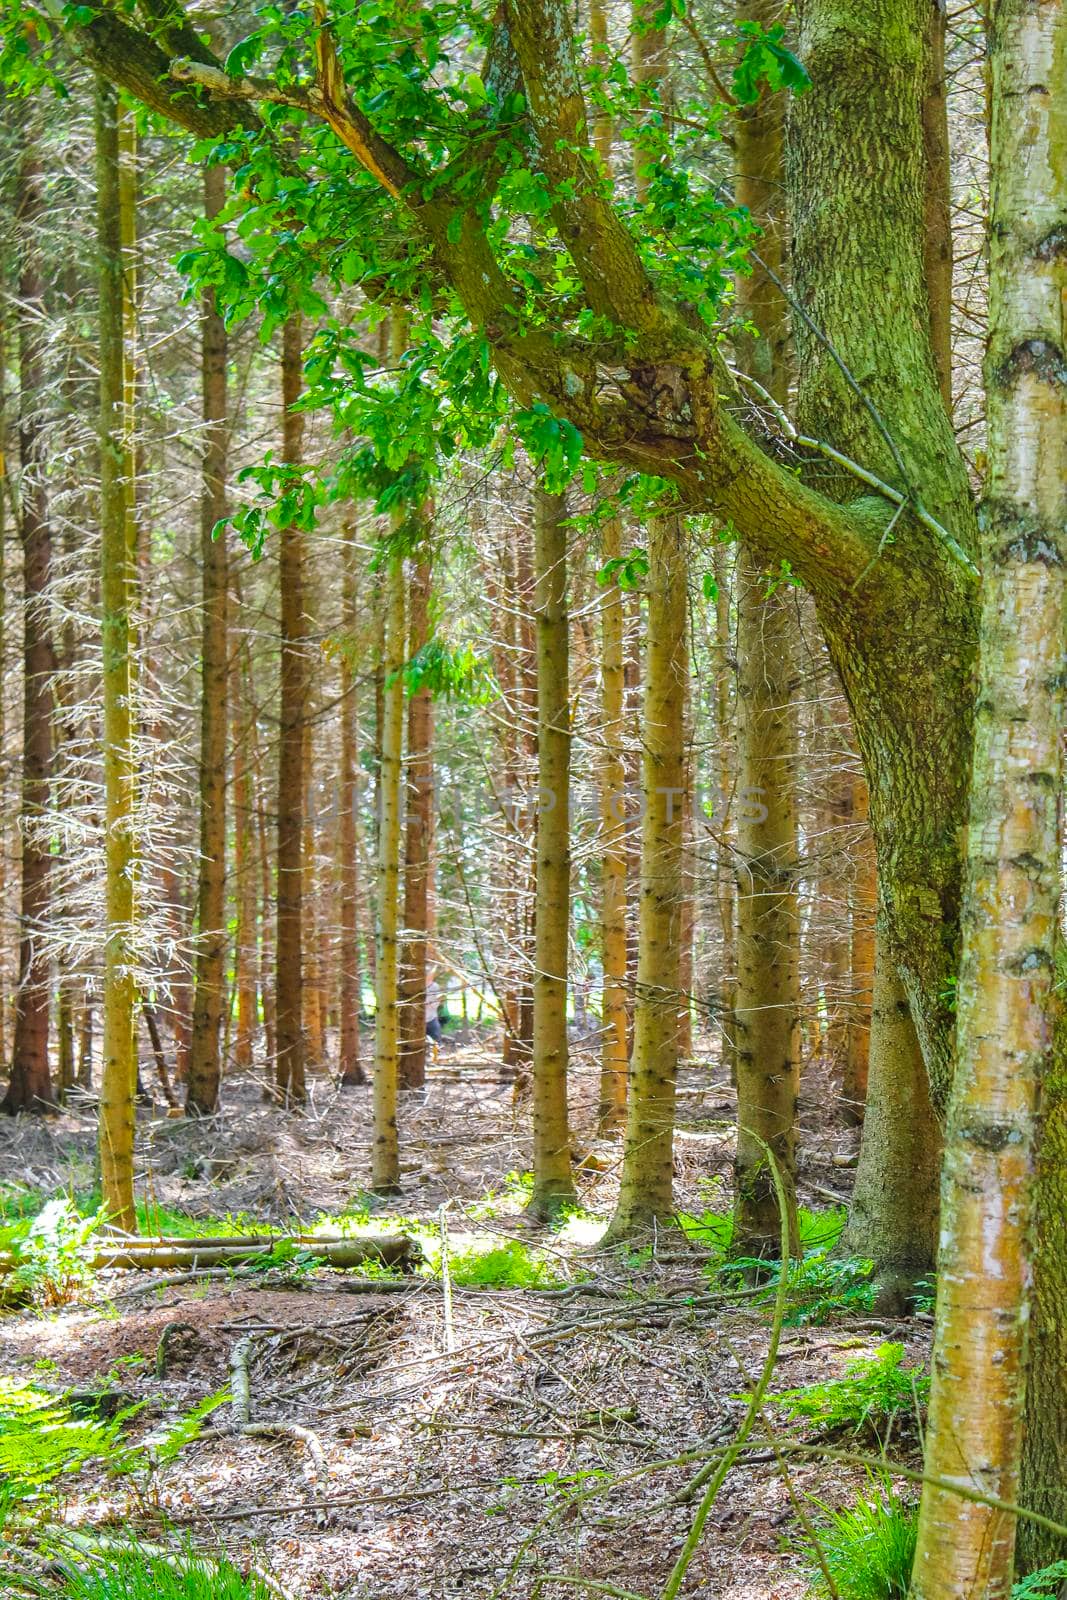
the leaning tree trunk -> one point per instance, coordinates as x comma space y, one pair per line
417, 846
202, 1091
117, 580
646, 1189
1015, 844
289, 1081
30, 1088
767, 997
553, 1180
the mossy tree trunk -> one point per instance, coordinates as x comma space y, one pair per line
205, 1067
553, 1180
1015, 851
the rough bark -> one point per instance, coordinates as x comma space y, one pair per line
553, 1180
646, 1188
863, 901
30, 1088
117, 580
418, 839
1015, 839
893, 1217
290, 1088
385, 1160
205, 1067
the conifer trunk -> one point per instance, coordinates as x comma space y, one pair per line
646, 1189
385, 1161
856, 1068
417, 846
30, 1088
290, 1086
117, 581
351, 999
202, 1089
553, 1180
767, 998
612, 1110
1015, 845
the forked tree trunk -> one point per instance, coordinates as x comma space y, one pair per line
553, 1179
646, 1189
289, 1081
418, 841
767, 998
1015, 852
351, 999
30, 1088
612, 1110
205, 1071
117, 587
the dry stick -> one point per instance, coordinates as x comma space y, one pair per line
446, 1283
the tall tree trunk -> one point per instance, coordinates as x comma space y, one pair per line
117, 595
1015, 845
289, 963
385, 1160
767, 999
351, 998
246, 941
417, 846
553, 1179
726, 880
646, 1188
30, 1088
613, 1064
202, 1090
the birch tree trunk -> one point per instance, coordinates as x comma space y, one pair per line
202, 1091
553, 1180
1015, 839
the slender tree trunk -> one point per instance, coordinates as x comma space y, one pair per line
246, 941
646, 1189
417, 847
726, 880
385, 1162
117, 591
1015, 847
553, 1180
289, 963
205, 1069
613, 1064
351, 999
767, 1000
30, 1088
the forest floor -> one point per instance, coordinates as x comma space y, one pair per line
474, 1442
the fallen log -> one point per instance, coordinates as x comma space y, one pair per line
148, 1254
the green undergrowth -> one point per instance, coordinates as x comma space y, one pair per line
133, 1574
866, 1550
875, 1392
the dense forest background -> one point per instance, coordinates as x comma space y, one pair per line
531, 637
